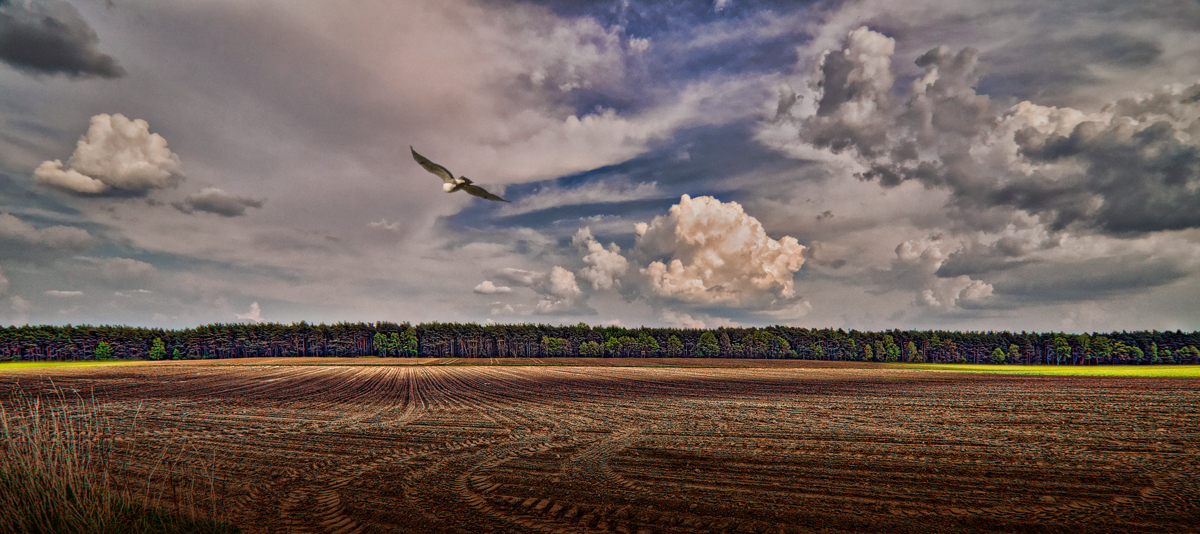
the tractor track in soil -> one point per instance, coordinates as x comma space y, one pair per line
544, 449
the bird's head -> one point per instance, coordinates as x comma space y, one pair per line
448, 187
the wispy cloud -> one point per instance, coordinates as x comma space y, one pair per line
608, 191
63, 294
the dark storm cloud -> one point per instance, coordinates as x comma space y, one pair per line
1007, 253
1092, 279
1131, 169
213, 200
50, 37
1143, 164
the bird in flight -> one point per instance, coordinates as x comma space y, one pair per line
453, 184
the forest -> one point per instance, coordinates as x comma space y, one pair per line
468, 340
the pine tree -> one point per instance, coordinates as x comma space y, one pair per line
103, 351
158, 350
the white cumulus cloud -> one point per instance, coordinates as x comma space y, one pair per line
254, 315
561, 291
486, 287
557, 290
710, 252
604, 266
116, 156
702, 254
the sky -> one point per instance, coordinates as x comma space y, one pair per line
933, 164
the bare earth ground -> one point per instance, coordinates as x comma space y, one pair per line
793, 447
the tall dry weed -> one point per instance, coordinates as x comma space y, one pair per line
57, 458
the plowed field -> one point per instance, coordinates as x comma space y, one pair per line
424, 447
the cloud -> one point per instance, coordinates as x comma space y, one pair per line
383, 224
681, 320
1132, 168
20, 309
1093, 278
703, 254
709, 252
556, 290
916, 267
608, 191
214, 200
604, 266
22, 241
1083, 268
125, 270
639, 45
253, 316
3, 282
118, 157
64, 294
486, 287
791, 313
855, 86
50, 37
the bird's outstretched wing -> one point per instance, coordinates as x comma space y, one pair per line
434, 168
480, 192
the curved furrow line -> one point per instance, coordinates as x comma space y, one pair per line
332, 515
590, 466
313, 504
444, 490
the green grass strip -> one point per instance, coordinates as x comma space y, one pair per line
1143, 371
4, 366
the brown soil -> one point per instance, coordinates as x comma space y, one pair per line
451, 448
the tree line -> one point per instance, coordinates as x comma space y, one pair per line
469, 340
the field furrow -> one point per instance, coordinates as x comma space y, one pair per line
443, 446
